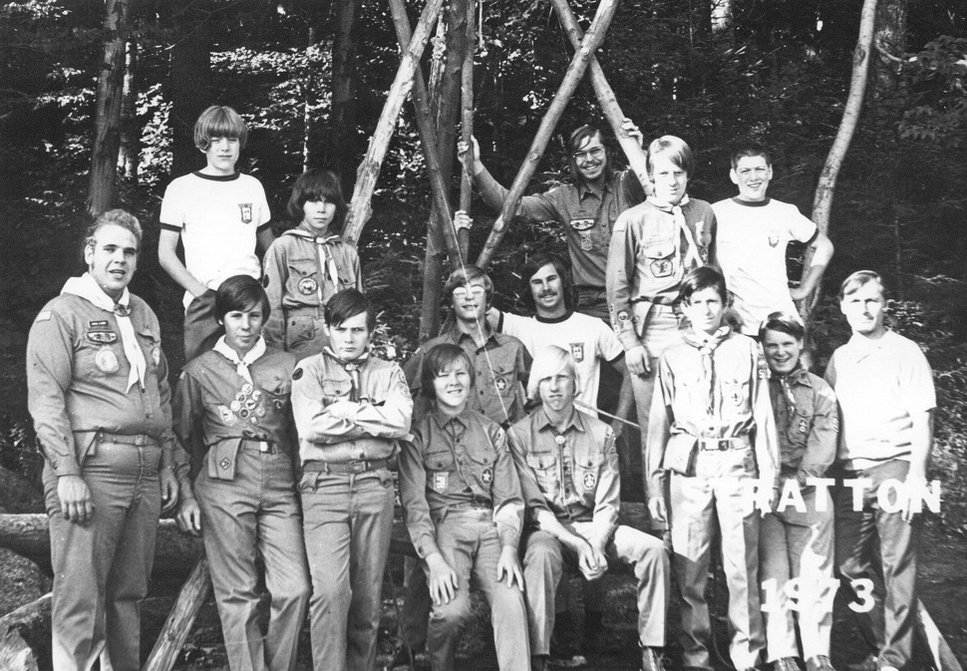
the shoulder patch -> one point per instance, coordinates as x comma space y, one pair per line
265, 281
297, 374
43, 316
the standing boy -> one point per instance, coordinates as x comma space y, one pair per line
796, 539
711, 435
218, 214
569, 475
350, 409
885, 390
753, 231
464, 510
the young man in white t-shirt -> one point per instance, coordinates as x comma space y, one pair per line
753, 231
219, 215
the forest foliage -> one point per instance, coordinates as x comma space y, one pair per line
710, 71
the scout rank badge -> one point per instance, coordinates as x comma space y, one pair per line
803, 426
440, 480
577, 351
307, 286
487, 475
583, 227
156, 356
245, 211
500, 382
106, 360
590, 479
247, 404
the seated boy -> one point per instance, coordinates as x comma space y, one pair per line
463, 510
568, 468
710, 435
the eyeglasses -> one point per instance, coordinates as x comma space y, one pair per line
462, 292
596, 153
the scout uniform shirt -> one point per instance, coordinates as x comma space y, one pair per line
807, 423
654, 245
78, 378
383, 413
587, 218
573, 473
302, 272
711, 397
215, 409
500, 368
458, 462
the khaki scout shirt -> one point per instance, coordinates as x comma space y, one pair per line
807, 421
573, 474
586, 217
643, 268
77, 381
457, 462
691, 403
382, 413
296, 276
500, 366
215, 409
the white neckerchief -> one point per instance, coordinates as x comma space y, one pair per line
692, 258
87, 288
241, 365
327, 261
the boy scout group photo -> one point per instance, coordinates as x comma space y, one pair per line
667, 344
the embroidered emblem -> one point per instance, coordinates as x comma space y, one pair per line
661, 268
613, 460
235, 406
254, 419
623, 316
773, 239
102, 337
307, 286
156, 355
260, 412
487, 475
226, 415
590, 480
43, 316
245, 211
107, 361
297, 374
582, 224
500, 383
440, 480
257, 394
99, 324
247, 388
244, 413
265, 282
250, 403
225, 463
803, 425
586, 243
735, 397
577, 351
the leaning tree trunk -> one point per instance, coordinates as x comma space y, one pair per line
110, 86
190, 80
826, 189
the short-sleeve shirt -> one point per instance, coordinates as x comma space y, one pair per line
589, 341
752, 240
218, 218
880, 385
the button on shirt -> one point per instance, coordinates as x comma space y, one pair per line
458, 462
572, 473
500, 368
807, 423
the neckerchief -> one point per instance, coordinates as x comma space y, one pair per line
87, 288
706, 345
241, 365
327, 262
692, 258
352, 368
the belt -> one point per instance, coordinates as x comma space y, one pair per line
722, 444
363, 466
263, 446
310, 310
138, 439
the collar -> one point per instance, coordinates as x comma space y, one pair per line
704, 340
355, 363
585, 190
218, 178
302, 232
442, 420
576, 421
554, 320
668, 207
799, 375
456, 335
253, 355
750, 203
87, 288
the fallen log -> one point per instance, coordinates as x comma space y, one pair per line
175, 632
18, 629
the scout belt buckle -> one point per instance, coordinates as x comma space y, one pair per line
716, 444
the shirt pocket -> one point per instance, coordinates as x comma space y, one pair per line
439, 459
736, 397
658, 259
303, 278
336, 390
544, 465
797, 432
587, 468
483, 457
151, 346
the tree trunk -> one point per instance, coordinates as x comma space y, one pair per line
18, 629
190, 81
110, 84
360, 203
466, 120
890, 43
826, 189
180, 620
341, 147
579, 63
130, 130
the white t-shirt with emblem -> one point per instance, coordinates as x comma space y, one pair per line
589, 340
218, 218
751, 247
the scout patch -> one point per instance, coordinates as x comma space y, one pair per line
500, 383
735, 396
102, 337
226, 415
247, 388
773, 239
582, 224
661, 268
225, 463
265, 282
43, 316
98, 324
590, 480
487, 475
297, 374
307, 286
245, 210
577, 351
440, 479
803, 425
156, 355
107, 361
586, 243
613, 459
236, 406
